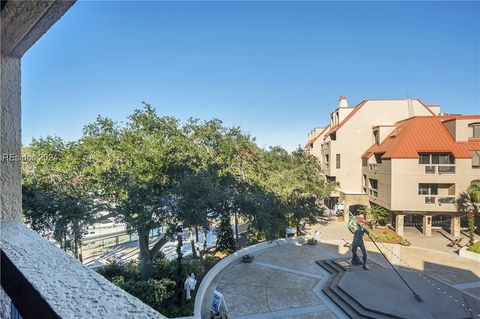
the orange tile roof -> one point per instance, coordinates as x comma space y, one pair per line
422, 134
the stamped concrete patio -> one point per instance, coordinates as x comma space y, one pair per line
282, 282
285, 281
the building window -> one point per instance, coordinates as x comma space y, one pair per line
422, 189
475, 130
326, 158
427, 189
338, 161
378, 158
376, 137
475, 159
364, 181
424, 159
364, 161
373, 183
436, 158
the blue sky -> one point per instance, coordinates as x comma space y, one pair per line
276, 69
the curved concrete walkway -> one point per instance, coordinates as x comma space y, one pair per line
285, 282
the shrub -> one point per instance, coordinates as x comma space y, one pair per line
129, 270
475, 247
208, 260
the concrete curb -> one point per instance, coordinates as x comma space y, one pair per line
207, 280
463, 252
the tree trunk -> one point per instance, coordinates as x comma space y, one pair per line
205, 232
75, 248
197, 242
236, 227
146, 266
192, 242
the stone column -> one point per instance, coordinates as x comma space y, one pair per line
427, 225
455, 226
399, 222
346, 212
10, 141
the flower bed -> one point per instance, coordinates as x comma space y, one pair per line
384, 235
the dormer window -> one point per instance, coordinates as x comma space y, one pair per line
475, 130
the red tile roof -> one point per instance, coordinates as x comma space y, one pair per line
423, 134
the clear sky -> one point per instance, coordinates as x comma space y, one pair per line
276, 69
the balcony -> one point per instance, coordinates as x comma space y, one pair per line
373, 192
372, 167
446, 200
440, 200
42, 281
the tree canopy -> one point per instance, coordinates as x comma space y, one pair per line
153, 171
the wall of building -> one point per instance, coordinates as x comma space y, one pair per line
384, 177
408, 173
355, 137
10, 140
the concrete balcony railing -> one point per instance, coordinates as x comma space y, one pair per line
440, 169
41, 281
440, 200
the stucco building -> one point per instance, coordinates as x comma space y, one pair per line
403, 155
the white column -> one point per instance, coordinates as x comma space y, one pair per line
399, 222
455, 226
427, 225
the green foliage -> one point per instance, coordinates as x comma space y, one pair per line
475, 247
159, 291
225, 240
153, 292
55, 201
474, 192
383, 237
374, 214
208, 260
127, 271
153, 171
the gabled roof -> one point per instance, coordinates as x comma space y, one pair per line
311, 141
359, 106
422, 134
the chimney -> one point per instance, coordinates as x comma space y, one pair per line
343, 101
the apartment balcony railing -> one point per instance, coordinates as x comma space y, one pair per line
41, 281
446, 200
441, 200
450, 169
373, 192
373, 167
441, 169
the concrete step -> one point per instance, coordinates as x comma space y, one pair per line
325, 266
349, 311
